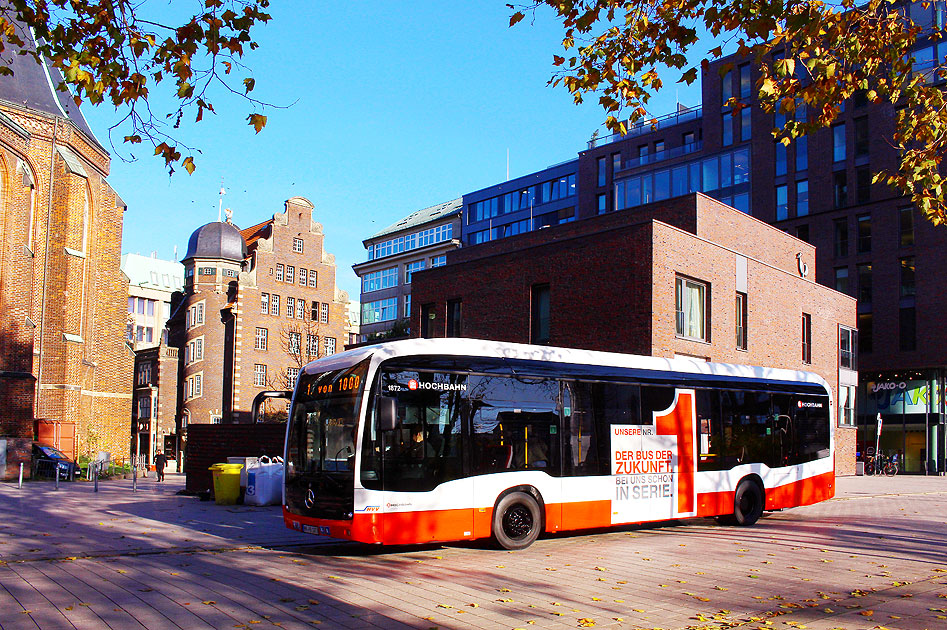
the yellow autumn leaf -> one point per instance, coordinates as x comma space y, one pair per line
586, 622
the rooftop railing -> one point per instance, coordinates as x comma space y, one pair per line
650, 124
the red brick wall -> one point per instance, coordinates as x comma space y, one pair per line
86, 382
209, 444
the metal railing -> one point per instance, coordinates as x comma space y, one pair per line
660, 156
648, 125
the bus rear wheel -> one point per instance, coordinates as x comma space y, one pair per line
517, 521
748, 503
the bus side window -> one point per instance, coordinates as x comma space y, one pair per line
709, 430
655, 400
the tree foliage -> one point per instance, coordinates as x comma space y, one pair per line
810, 53
118, 51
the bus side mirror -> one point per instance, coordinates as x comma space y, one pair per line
386, 413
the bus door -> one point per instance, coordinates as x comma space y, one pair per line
514, 431
426, 495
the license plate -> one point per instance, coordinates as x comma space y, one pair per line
320, 530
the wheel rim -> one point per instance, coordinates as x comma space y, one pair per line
749, 504
517, 522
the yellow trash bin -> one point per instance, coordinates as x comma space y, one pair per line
226, 483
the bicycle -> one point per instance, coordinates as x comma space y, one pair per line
881, 465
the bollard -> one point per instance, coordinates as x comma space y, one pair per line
134, 478
56, 474
95, 487
19, 484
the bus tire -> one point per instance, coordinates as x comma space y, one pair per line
517, 521
748, 503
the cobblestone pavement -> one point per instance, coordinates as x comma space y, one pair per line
873, 557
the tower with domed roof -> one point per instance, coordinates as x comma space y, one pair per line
259, 303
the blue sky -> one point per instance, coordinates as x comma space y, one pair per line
392, 107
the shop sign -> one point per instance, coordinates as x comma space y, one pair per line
897, 397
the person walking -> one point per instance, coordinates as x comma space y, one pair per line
161, 460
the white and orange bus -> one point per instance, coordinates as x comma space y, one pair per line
455, 439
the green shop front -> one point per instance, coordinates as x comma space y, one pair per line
910, 406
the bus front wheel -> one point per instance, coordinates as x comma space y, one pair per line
517, 521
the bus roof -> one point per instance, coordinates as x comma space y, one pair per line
462, 346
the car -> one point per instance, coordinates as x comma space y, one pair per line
48, 459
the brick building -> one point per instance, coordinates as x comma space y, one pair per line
155, 398
258, 304
685, 277
419, 241
63, 355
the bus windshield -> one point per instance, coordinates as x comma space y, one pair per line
321, 449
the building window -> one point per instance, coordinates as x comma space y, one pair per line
782, 203
290, 307
601, 203
274, 304
300, 308
691, 309
298, 245
906, 226
454, 319
330, 345
427, 324
780, 150
144, 373
601, 163
407, 305
862, 184
410, 268
324, 313
745, 84
864, 233
438, 261
643, 151
802, 153
848, 348
727, 126
726, 88
294, 343
861, 137
907, 329
265, 303
841, 279
846, 405
841, 237
806, 338
312, 346
740, 318
198, 386
382, 279
864, 283
802, 197
303, 276
539, 314
315, 311
380, 311
259, 375
292, 373
279, 272
616, 163
313, 278
259, 342
144, 408
802, 232
745, 124
290, 274
838, 143
840, 189
907, 276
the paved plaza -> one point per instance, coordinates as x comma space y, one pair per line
873, 557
